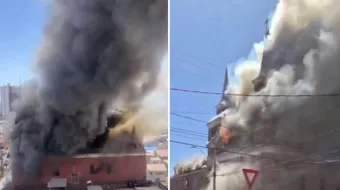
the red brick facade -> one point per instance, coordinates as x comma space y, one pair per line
100, 169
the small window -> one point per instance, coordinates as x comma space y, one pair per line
56, 172
108, 168
92, 170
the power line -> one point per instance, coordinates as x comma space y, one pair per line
289, 161
242, 131
188, 131
195, 91
259, 95
193, 73
257, 156
195, 113
278, 139
185, 124
185, 136
193, 64
223, 149
198, 58
190, 118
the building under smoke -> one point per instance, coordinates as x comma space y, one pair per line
9, 95
95, 56
288, 129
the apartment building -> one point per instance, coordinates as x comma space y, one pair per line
157, 165
9, 94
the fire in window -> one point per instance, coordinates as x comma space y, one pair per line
56, 172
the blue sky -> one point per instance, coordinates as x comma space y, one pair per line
22, 24
202, 33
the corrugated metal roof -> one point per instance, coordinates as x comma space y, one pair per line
148, 188
94, 187
57, 182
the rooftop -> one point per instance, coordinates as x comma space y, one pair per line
94, 187
106, 155
162, 152
154, 158
221, 115
57, 183
156, 168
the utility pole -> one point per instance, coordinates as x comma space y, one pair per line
214, 170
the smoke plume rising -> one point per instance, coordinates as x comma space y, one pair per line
301, 57
152, 115
93, 53
189, 165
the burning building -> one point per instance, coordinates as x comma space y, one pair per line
285, 124
126, 167
115, 170
96, 55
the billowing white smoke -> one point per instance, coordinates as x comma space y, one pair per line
93, 52
301, 57
190, 165
152, 115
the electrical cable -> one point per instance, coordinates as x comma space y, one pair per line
193, 64
256, 156
188, 131
185, 136
223, 149
242, 131
255, 95
196, 57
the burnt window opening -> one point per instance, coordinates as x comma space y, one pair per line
92, 170
108, 168
132, 146
95, 170
113, 120
56, 172
99, 141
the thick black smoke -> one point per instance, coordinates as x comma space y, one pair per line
94, 52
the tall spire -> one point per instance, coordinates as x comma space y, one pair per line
225, 83
224, 102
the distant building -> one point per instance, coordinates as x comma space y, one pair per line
157, 165
9, 94
162, 153
195, 180
158, 172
